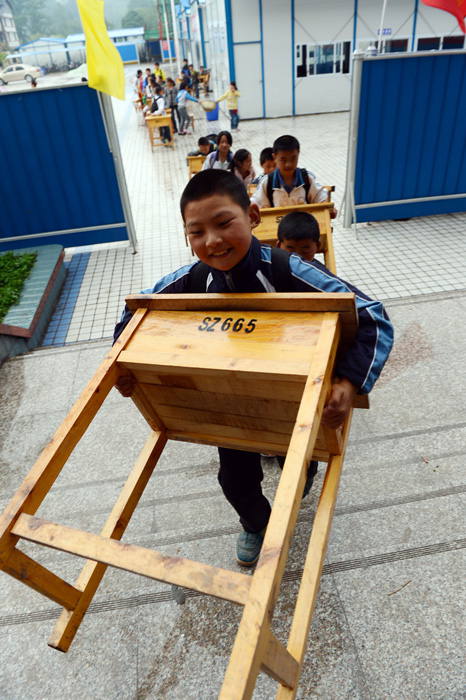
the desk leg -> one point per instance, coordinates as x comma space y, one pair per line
309, 588
91, 575
329, 255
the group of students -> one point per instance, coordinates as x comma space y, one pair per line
219, 218
280, 184
157, 93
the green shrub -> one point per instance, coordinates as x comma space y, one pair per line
14, 271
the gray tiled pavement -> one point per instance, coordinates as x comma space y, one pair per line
389, 621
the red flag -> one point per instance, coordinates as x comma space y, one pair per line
455, 7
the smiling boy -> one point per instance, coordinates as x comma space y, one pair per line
218, 219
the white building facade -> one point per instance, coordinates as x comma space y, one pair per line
292, 57
8, 34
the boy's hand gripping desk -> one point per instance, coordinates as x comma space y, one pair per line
266, 231
246, 371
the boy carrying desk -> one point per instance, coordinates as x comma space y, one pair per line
288, 184
218, 218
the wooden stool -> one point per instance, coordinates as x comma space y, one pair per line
266, 231
245, 371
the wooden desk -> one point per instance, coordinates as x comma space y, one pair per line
205, 79
266, 231
195, 164
246, 371
153, 124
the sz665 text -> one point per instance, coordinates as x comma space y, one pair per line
217, 323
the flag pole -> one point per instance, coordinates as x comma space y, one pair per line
175, 34
167, 33
382, 20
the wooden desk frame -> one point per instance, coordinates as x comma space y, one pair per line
256, 648
195, 164
266, 231
153, 123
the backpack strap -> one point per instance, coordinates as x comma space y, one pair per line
282, 278
197, 278
270, 188
307, 183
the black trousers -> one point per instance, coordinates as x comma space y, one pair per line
176, 121
240, 476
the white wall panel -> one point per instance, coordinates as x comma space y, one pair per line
276, 19
442, 22
398, 17
216, 45
318, 22
249, 80
246, 22
323, 93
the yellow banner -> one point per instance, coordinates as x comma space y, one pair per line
104, 64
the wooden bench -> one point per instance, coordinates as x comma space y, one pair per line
195, 164
245, 371
266, 231
153, 123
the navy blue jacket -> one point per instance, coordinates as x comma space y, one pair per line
361, 363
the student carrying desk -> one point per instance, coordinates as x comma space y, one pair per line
288, 184
218, 219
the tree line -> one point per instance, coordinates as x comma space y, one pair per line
38, 18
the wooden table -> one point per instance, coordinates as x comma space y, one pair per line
153, 123
245, 371
195, 164
266, 231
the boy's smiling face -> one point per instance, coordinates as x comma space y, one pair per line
219, 230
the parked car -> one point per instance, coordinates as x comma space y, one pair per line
19, 71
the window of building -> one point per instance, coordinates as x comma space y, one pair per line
430, 43
322, 59
395, 45
452, 42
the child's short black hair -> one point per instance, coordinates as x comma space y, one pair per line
285, 143
211, 181
298, 226
203, 141
228, 136
266, 154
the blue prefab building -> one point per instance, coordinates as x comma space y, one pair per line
293, 57
47, 51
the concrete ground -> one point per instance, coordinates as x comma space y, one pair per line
390, 616
389, 621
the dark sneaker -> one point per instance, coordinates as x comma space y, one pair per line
248, 547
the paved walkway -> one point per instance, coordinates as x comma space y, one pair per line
388, 260
389, 622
